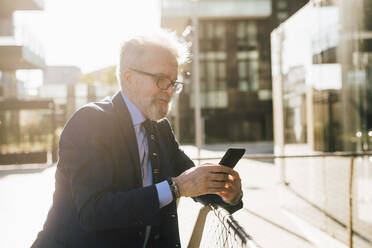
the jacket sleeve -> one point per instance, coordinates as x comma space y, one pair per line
182, 162
87, 169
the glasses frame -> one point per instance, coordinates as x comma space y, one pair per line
177, 86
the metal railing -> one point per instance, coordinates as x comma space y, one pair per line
227, 232
223, 230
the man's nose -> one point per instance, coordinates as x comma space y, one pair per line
170, 91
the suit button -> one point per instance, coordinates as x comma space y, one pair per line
178, 245
173, 216
140, 233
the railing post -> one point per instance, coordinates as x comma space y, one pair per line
197, 232
54, 138
350, 226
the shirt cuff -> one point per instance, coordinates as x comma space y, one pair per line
164, 193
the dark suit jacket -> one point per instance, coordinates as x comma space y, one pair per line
99, 200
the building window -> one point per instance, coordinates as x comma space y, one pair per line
265, 95
212, 36
282, 4
220, 30
212, 80
282, 15
248, 75
211, 73
246, 33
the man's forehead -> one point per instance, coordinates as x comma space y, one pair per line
156, 55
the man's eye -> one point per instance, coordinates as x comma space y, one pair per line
164, 81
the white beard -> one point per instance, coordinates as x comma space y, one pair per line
157, 111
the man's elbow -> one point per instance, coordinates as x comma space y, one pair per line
92, 219
88, 222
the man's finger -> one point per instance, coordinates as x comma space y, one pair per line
215, 190
235, 174
219, 177
221, 169
215, 185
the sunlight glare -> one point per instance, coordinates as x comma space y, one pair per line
88, 33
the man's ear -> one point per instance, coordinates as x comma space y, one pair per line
128, 76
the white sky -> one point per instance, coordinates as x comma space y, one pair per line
87, 33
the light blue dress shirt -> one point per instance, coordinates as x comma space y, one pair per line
163, 189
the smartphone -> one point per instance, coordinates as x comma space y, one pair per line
232, 156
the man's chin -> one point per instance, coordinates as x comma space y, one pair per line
158, 113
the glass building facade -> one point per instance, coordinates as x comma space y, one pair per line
322, 96
322, 70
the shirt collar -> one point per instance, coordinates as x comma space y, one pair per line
135, 113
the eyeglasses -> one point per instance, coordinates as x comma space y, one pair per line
163, 82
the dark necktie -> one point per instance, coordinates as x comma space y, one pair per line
153, 149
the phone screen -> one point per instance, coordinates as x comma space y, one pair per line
232, 156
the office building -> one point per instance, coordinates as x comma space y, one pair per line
26, 134
235, 66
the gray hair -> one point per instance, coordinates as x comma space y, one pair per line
136, 46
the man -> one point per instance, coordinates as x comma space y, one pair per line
119, 174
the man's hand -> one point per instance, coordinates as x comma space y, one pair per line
233, 192
210, 179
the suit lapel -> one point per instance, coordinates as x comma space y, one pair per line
127, 129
